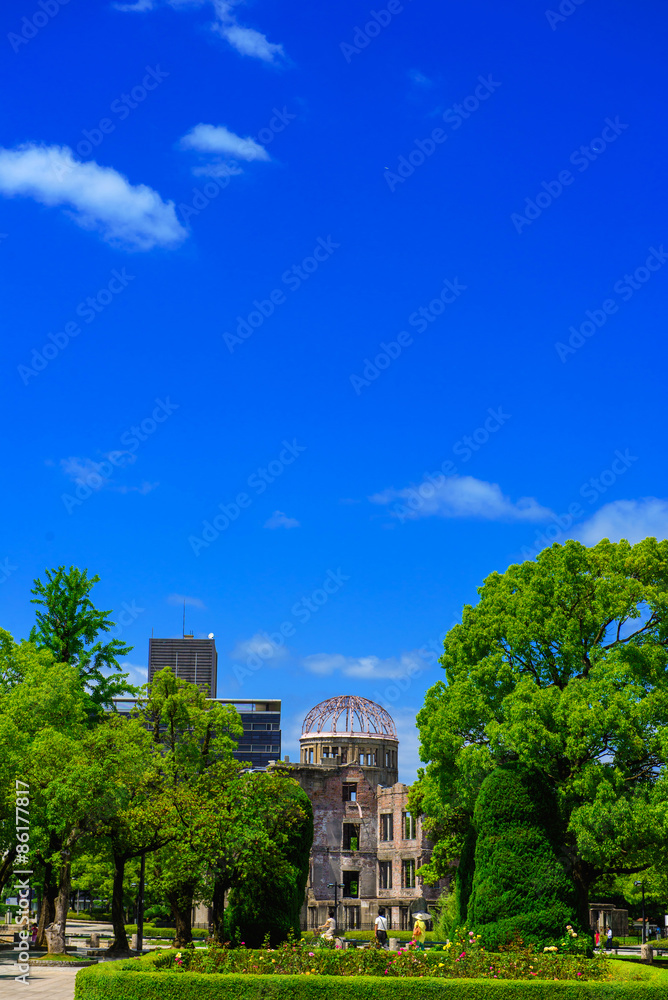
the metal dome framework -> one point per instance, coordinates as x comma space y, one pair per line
371, 719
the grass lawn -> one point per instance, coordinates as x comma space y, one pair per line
58, 958
633, 972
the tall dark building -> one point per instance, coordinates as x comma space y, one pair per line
194, 660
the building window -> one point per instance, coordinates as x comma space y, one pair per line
384, 874
371, 760
361, 759
349, 790
404, 919
312, 916
310, 756
387, 758
409, 826
325, 752
344, 756
351, 883
408, 873
353, 921
386, 826
351, 837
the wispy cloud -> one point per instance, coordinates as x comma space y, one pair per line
246, 41
219, 139
191, 602
461, 497
258, 645
96, 475
365, 667
629, 519
419, 79
98, 198
280, 520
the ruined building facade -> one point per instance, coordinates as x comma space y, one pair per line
365, 842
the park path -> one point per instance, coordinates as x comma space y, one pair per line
44, 984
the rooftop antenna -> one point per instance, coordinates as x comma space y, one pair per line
184, 617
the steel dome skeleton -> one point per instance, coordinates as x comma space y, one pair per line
371, 718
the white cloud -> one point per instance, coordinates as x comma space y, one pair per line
247, 41
97, 198
629, 519
98, 475
218, 139
258, 646
138, 675
191, 602
280, 520
366, 667
419, 79
459, 497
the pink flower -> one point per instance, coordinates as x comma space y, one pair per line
311, 954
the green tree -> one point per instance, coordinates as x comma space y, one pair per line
269, 901
196, 739
561, 666
70, 626
519, 885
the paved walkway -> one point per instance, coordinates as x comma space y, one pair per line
44, 984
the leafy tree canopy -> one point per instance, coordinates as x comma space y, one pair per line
562, 666
69, 625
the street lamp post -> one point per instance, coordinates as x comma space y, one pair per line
336, 886
140, 905
642, 886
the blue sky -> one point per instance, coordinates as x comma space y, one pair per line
318, 317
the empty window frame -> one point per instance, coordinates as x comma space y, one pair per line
408, 873
349, 791
351, 837
353, 918
384, 874
409, 826
351, 884
386, 826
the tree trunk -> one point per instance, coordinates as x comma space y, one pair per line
218, 906
181, 904
120, 945
581, 879
55, 932
47, 911
7, 866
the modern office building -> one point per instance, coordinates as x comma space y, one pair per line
194, 660
260, 744
367, 848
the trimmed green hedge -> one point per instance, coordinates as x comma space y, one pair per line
166, 933
110, 982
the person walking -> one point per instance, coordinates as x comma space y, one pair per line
597, 937
419, 932
608, 942
380, 925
